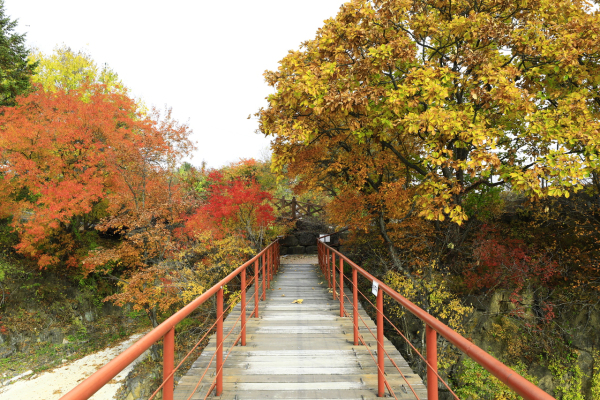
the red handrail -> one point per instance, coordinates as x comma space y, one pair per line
513, 380
101, 377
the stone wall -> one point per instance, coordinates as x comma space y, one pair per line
140, 384
303, 239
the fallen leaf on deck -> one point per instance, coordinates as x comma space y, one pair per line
299, 301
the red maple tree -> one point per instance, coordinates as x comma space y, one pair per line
234, 206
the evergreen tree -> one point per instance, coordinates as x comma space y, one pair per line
15, 70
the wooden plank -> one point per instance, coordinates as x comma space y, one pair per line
299, 351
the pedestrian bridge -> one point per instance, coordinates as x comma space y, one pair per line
300, 331
299, 350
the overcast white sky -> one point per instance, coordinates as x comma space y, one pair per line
205, 59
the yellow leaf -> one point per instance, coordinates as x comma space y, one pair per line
299, 301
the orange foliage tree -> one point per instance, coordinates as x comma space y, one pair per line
70, 158
145, 210
59, 161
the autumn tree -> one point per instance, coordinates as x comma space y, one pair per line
459, 94
67, 162
145, 209
67, 70
15, 68
409, 112
234, 205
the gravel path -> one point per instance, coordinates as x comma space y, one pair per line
51, 385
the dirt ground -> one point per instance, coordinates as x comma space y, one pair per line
51, 385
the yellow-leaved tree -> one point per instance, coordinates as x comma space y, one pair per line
66, 70
402, 110
456, 95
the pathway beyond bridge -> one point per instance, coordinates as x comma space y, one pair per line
299, 350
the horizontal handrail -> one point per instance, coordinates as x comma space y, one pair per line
101, 377
512, 379
334, 233
404, 337
195, 346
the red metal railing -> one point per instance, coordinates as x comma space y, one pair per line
335, 271
265, 263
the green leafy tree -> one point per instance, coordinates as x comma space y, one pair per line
15, 68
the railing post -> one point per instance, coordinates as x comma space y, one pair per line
324, 265
268, 256
341, 286
319, 254
333, 286
276, 257
322, 258
243, 307
168, 363
256, 288
380, 358
220, 341
271, 264
264, 288
355, 304
432, 380
326, 254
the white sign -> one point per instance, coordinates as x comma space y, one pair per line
375, 288
326, 238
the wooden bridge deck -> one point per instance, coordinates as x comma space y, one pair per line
299, 351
